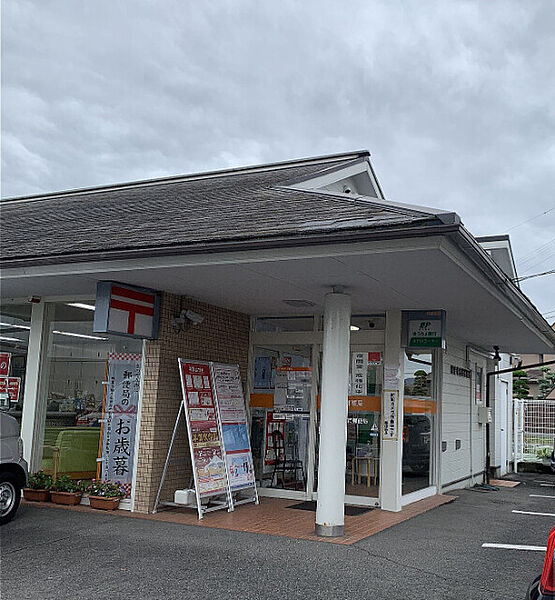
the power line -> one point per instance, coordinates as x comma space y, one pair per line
535, 275
531, 219
534, 264
533, 253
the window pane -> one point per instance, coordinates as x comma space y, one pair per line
280, 408
418, 423
15, 324
76, 364
284, 324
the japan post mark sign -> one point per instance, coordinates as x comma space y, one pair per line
206, 444
126, 310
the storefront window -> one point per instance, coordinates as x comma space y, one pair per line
418, 423
280, 410
15, 324
278, 324
364, 423
362, 460
76, 368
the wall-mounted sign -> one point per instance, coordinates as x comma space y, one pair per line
126, 310
5, 358
460, 372
478, 385
424, 329
391, 415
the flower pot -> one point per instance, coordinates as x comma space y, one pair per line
36, 495
103, 503
69, 498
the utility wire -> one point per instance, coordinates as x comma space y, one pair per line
531, 219
531, 253
534, 275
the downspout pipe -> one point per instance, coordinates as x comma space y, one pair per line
488, 387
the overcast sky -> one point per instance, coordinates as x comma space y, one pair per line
455, 100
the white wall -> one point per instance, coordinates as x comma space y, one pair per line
459, 419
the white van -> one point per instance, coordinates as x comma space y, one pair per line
13, 469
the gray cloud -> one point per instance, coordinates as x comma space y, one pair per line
456, 100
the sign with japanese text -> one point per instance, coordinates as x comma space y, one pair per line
126, 310
207, 452
391, 415
425, 329
9, 388
478, 385
120, 417
233, 418
5, 358
292, 388
4, 400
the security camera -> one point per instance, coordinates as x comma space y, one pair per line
193, 316
371, 324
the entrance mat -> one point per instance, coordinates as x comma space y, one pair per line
504, 483
350, 511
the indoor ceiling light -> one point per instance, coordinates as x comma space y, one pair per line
299, 303
14, 325
9, 339
354, 328
81, 305
80, 335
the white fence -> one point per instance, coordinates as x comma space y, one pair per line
534, 429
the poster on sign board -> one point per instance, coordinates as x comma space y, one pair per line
14, 387
120, 417
231, 406
5, 358
207, 452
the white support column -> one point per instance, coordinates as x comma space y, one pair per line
34, 402
333, 415
391, 464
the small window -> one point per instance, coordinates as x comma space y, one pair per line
278, 324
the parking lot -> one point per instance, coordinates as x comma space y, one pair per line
54, 553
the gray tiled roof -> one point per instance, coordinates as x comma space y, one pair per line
234, 206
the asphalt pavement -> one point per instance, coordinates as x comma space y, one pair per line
51, 553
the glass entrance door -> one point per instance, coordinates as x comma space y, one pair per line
363, 447
362, 468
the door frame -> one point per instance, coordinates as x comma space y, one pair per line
314, 339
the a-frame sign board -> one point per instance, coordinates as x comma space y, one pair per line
221, 458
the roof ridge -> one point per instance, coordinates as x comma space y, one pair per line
193, 176
394, 207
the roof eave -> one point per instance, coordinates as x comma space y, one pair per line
262, 243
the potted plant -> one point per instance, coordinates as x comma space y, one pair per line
105, 495
66, 491
39, 486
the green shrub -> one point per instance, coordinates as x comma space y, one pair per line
65, 484
544, 452
40, 481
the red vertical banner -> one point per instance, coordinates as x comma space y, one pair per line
204, 433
